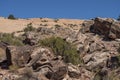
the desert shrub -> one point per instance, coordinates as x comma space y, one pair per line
57, 26
11, 17
29, 28
44, 21
62, 48
10, 39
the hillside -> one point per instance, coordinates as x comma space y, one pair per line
59, 49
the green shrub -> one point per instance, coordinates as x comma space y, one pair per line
11, 17
10, 39
62, 48
29, 28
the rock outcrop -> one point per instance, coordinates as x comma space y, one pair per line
96, 43
107, 27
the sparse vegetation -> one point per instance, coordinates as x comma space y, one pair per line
62, 48
44, 21
29, 28
57, 25
43, 24
10, 39
11, 17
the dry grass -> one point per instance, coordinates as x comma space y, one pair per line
9, 26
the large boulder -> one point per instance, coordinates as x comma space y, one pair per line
18, 55
95, 59
107, 27
40, 58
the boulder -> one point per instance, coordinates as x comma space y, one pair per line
31, 38
18, 55
73, 71
107, 27
59, 74
40, 58
3, 47
86, 26
95, 59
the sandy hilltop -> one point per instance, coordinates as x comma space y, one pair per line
9, 26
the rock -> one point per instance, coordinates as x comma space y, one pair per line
19, 56
73, 71
107, 27
85, 74
96, 58
31, 38
41, 60
86, 26
3, 47
60, 73
102, 75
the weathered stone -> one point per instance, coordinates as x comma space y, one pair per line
73, 71
86, 26
31, 38
107, 27
96, 58
19, 56
40, 55
59, 74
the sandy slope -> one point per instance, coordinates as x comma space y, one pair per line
9, 26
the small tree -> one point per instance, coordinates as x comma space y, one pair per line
11, 17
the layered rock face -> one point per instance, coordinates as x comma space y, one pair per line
108, 27
96, 43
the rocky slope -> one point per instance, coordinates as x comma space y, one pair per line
60, 49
